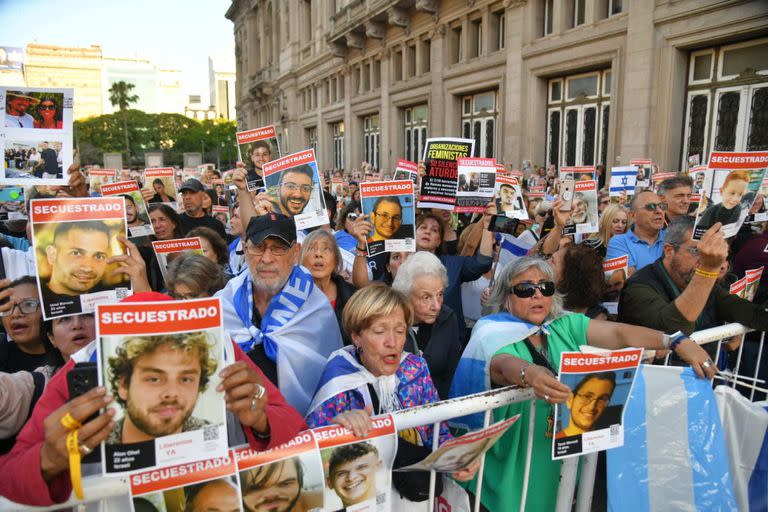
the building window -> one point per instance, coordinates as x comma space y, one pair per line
549, 9
371, 140
478, 122
456, 44
376, 80
311, 133
337, 131
415, 132
577, 119
727, 101
397, 65
426, 56
475, 38
498, 31
579, 12
615, 7
410, 61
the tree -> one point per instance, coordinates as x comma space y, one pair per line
120, 96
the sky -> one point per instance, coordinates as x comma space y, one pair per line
175, 34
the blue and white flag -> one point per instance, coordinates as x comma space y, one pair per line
674, 455
490, 334
512, 248
623, 179
299, 330
745, 426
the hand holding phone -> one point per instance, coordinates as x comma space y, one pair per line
566, 194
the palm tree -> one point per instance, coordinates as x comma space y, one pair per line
120, 96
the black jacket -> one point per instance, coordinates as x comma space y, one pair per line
442, 351
344, 292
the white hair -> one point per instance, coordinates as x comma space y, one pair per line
421, 263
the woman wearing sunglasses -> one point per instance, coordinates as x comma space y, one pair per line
517, 350
48, 110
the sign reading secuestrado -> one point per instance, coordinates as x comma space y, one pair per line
73, 209
170, 316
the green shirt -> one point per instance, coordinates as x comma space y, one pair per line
505, 462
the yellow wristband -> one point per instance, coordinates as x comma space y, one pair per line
704, 273
73, 449
69, 422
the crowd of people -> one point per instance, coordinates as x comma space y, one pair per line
381, 333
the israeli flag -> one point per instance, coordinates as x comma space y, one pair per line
623, 179
745, 425
512, 248
674, 455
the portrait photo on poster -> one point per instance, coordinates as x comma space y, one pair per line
257, 147
287, 485
390, 209
293, 182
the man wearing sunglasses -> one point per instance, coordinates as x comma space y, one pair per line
679, 291
644, 241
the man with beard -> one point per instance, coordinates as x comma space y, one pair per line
261, 153
352, 473
157, 379
16, 106
78, 260
507, 203
132, 213
679, 291
194, 216
294, 190
275, 487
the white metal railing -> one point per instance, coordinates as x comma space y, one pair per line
97, 487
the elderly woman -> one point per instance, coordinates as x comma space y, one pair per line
375, 376
435, 333
192, 276
516, 350
320, 254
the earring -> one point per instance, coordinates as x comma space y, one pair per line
359, 349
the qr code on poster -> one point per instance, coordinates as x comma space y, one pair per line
381, 498
211, 433
615, 429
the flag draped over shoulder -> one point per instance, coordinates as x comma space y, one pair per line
674, 455
343, 372
745, 426
299, 330
490, 334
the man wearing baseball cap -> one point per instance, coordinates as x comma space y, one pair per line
194, 216
277, 314
16, 105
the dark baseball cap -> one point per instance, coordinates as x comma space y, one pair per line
192, 185
271, 224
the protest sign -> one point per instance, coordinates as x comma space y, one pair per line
98, 177
584, 215
161, 363
168, 250
460, 452
659, 177
71, 253
389, 205
371, 457
12, 203
406, 170
582, 173
337, 188
255, 148
135, 209
592, 418
221, 214
477, 181
615, 270
739, 287
205, 485
752, 278
623, 180
294, 184
643, 173
730, 187
163, 181
509, 198
440, 179
286, 478
36, 130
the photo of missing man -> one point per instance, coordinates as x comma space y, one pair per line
219, 495
34, 109
136, 215
355, 474
30, 162
509, 200
289, 485
255, 155
296, 193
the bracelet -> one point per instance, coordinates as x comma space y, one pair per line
704, 273
672, 341
362, 249
522, 374
360, 252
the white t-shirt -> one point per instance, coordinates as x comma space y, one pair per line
25, 121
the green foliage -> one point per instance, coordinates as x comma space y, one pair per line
120, 95
173, 134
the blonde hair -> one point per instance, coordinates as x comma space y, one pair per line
370, 303
606, 220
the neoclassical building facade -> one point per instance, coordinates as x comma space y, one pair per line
567, 82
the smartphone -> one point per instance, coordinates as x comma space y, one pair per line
503, 224
81, 379
566, 194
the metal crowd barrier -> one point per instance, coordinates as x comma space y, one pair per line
97, 488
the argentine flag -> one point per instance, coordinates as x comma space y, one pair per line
623, 179
674, 455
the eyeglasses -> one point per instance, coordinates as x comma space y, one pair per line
320, 249
276, 250
651, 207
528, 290
692, 250
589, 398
46, 107
182, 296
396, 219
606, 201
293, 187
26, 306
